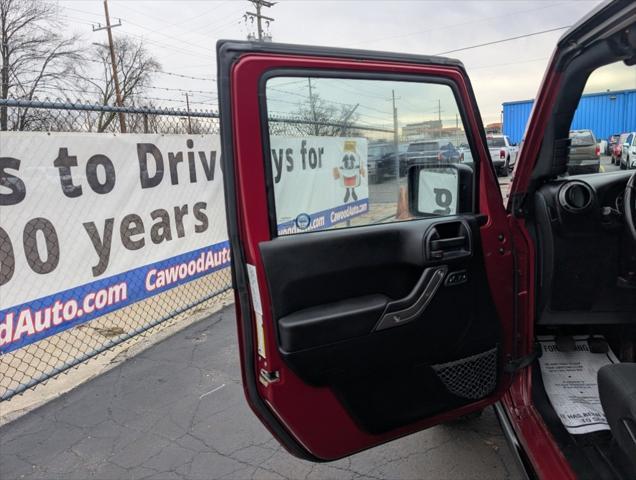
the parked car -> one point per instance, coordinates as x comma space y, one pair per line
381, 161
618, 148
585, 154
376, 167
439, 150
502, 153
628, 152
611, 143
353, 337
465, 153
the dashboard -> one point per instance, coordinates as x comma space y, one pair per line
582, 250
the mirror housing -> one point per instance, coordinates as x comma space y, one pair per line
440, 189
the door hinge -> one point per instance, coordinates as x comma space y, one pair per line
518, 201
267, 378
520, 363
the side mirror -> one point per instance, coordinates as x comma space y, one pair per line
440, 189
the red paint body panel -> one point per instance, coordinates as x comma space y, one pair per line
546, 457
538, 443
314, 415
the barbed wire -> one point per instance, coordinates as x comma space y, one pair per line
59, 115
172, 74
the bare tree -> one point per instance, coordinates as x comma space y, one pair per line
322, 118
35, 56
135, 68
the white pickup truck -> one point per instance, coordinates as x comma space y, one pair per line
502, 153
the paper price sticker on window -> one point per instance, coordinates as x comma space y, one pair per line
437, 191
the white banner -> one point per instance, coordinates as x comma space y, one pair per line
92, 222
318, 181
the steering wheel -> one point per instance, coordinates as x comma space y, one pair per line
630, 210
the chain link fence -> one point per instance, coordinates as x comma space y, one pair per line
111, 312
35, 362
67, 116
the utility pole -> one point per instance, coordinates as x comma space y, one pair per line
258, 4
439, 112
312, 104
439, 116
395, 138
457, 129
113, 61
188, 109
343, 127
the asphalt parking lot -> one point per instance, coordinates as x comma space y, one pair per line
177, 411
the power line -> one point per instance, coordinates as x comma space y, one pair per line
172, 24
166, 89
172, 74
190, 77
64, 90
333, 102
208, 26
293, 82
216, 27
170, 37
156, 42
220, 25
508, 64
152, 42
509, 39
461, 24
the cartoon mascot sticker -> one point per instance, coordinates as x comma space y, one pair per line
350, 170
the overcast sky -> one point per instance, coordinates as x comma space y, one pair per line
182, 35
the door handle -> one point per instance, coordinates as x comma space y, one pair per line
446, 247
411, 307
449, 243
448, 240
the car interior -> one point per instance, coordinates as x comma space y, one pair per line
586, 264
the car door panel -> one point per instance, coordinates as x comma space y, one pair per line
328, 300
320, 367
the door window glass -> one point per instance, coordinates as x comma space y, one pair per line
341, 149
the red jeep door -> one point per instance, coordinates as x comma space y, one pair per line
372, 264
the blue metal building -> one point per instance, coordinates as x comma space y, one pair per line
604, 113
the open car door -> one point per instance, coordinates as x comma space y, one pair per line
372, 261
